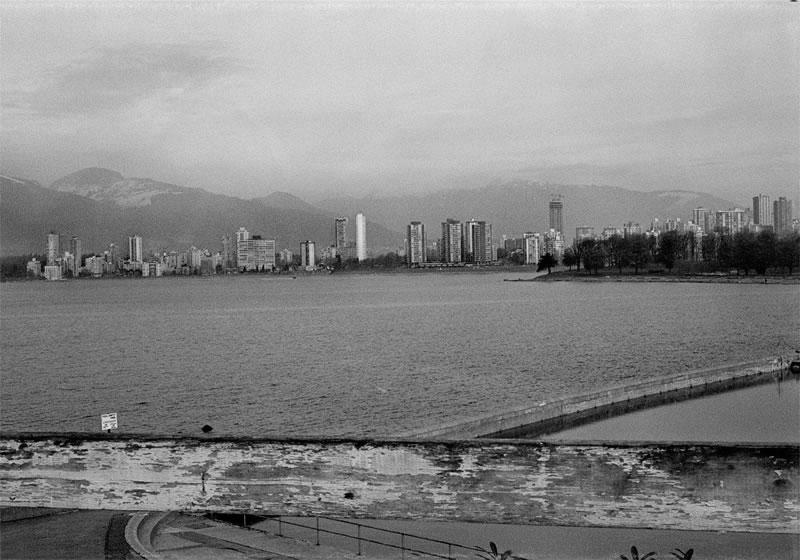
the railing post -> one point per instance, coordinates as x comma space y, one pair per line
402, 546
317, 530
359, 539
449, 550
280, 527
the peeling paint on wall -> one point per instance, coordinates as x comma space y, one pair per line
709, 487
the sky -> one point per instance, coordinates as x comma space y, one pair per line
324, 99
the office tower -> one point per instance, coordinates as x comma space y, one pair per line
415, 255
762, 214
53, 248
782, 215
76, 248
341, 234
135, 249
700, 217
307, 255
361, 236
451, 241
533, 247
557, 214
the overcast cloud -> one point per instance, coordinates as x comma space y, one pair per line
246, 98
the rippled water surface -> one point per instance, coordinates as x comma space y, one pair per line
355, 354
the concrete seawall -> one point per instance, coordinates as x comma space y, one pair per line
676, 486
567, 412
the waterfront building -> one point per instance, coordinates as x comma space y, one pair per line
762, 210
477, 242
255, 253
135, 249
228, 253
361, 236
701, 217
782, 215
76, 248
452, 235
34, 267
53, 248
287, 256
730, 221
533, 247
242, 235
340, 233
415, 239
308, 257
583, 232
52, 272
557, 214
96, 266
554, 243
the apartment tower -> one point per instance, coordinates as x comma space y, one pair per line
135, 249
782, 215
762, 211
361, 236
416, 244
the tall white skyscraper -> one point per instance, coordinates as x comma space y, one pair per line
361, 236
53, 248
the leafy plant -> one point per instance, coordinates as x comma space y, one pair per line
681, 555
635, 555
493, 554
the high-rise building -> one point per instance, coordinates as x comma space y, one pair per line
782, 215
53, 248
557, 214
451, 241
762, 210
228, 253
361, 236
341, 233
76, 248
533, 247
135, 249
308, 257
416, 244
631, 228
477, 244
242, 235
700, 218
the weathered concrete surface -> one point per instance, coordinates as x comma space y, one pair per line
567, 412
732, 488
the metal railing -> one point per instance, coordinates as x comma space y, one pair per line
445, 549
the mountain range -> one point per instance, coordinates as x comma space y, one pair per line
101, 206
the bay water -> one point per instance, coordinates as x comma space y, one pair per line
355, 355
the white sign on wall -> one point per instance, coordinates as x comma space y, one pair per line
109, 421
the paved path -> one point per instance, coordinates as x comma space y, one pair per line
32, 533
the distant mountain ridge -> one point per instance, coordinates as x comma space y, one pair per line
105, 185
102, 207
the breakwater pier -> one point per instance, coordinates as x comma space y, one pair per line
563, 413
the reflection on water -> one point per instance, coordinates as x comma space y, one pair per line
767, 413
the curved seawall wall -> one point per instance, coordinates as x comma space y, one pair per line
567, 412
676, 486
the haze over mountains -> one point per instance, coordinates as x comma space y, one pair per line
101, 206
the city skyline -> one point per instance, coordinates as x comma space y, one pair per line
313, 99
